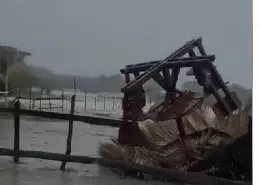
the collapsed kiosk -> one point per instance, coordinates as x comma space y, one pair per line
201, 67
192, 146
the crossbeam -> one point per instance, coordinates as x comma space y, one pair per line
185, 62
90, 119
209, 57
141, 79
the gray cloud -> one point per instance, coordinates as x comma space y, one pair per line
84, 36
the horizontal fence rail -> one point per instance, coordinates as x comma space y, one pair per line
59, 100
94, 120
184, 177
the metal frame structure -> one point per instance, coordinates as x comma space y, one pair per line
165, 72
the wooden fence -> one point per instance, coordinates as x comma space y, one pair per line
56, 100
16, 153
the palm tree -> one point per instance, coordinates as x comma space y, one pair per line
9, 56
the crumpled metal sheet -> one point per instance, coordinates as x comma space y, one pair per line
160, 133
164, 136
236, 123
181, 105
173, 156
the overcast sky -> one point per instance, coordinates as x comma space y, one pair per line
101, 36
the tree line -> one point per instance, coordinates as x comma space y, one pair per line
24, 76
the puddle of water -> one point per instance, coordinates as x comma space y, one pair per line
51, 136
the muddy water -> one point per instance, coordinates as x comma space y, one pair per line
50, 135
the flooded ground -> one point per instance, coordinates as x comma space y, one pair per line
110, 103
50, 135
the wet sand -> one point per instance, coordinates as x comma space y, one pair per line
50, 135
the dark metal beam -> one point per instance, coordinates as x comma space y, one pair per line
167, 77
155, 68
191, 72
136, 74
183, 63
127, 77
174, 78
160, 80
201, 48
209, 57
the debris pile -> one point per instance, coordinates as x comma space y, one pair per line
186, 132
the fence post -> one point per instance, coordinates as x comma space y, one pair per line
85, 100
16, 131
40, 97
62, 103
104, 102
18, 93
33, 104
50, 107
95, 103
30, 97
113, 102
70, 132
